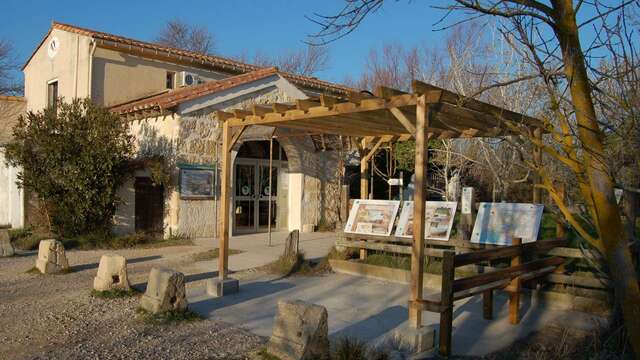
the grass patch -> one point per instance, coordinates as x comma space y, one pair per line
298, 265
115, 293
168, 317
211, 254
264, 355
351, 348
136, 240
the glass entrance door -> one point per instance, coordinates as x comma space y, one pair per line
251, 196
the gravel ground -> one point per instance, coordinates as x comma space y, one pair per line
55, 316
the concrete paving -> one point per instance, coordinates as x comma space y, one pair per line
361, 307
257, 252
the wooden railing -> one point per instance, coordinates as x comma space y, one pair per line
541, 260
509, 279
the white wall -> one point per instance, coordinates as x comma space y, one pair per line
11, 197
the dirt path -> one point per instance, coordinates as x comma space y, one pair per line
55, 317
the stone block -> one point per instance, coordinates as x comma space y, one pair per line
300, 331
112, 273
51, 257
217, 287
6, 248
165, 292
418, 340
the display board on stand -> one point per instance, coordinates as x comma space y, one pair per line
438, 218
372, 217
498, 223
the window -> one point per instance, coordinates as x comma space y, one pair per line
170, 79
52, 93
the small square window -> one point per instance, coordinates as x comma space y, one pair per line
52, 94
170, 79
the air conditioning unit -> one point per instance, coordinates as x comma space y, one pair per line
186, 78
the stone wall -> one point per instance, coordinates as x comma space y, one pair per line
195, 138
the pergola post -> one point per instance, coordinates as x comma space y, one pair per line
225, 182
364, 173
224, 285
537, 160
417, 251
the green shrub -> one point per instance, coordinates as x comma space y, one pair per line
74, 157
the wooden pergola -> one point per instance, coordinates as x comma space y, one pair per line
386, 116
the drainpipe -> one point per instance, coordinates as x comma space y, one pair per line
90, 67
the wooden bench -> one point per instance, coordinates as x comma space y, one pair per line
508, 278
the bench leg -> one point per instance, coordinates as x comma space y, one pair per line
487, 304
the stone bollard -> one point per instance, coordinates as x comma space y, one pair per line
300, 332
165, 292
6, 248
51, 257
112, 273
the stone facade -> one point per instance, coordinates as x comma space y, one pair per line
194, 139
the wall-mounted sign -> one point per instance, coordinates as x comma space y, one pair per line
438, 220
498, 223
196, 183
467, 200
53, 47
395, 182
372, 217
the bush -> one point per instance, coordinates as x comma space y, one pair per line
26, 238
74, 158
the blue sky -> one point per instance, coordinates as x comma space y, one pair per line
239, 26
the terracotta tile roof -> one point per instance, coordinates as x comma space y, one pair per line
211, 60
168, 100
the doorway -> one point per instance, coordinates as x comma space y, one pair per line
251, 187
149, 207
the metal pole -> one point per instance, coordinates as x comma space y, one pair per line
401, 187
270, 189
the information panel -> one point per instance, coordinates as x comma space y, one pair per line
438, 220
372, 217
498, 223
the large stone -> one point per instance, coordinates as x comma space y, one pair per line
165, 292
51, 257
300, 331
112, 273
6, 248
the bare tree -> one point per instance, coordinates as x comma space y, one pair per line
305, 61
547, 36
8, 85
179, 34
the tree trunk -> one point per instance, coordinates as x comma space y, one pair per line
608, 220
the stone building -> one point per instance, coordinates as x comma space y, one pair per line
171, 97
